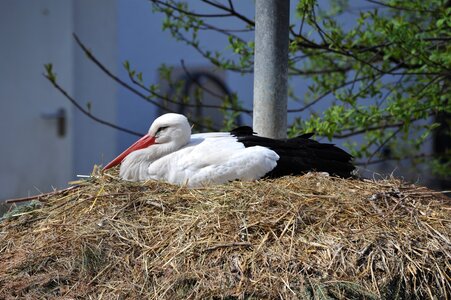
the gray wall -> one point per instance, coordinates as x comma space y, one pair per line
33, 158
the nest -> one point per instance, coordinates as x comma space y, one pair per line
305, 237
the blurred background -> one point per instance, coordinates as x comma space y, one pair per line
46, 141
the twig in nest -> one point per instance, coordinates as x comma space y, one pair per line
29, 198
156, 204
226, 245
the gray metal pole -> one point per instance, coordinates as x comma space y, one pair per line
271, 67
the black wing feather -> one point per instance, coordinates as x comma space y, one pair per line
300, 155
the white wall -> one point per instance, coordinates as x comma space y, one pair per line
33, 158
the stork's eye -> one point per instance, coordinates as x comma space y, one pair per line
161, 129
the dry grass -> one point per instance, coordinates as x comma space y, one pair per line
307, 237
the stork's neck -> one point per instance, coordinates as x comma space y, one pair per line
135, 165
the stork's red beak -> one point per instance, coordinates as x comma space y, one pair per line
142, 143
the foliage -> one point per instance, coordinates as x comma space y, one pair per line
383, 75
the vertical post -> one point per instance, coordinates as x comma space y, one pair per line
271, 67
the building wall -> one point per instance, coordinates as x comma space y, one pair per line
33, 157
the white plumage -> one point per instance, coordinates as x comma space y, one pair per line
180, 158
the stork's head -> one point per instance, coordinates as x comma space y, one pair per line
170, 128
171, 131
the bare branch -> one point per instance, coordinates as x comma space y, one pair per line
372, 128
378, 161
232, 11
123, 83
115, 78
170, 100
381, 145
86, 112
400, 7
190, 13
322, 96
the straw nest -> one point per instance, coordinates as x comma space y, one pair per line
306, 237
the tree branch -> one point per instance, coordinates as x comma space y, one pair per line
399, 7
378, 161
123, 83
232, 11
325, 94
86, 112
189, 13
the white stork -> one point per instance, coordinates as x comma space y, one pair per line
170, 153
